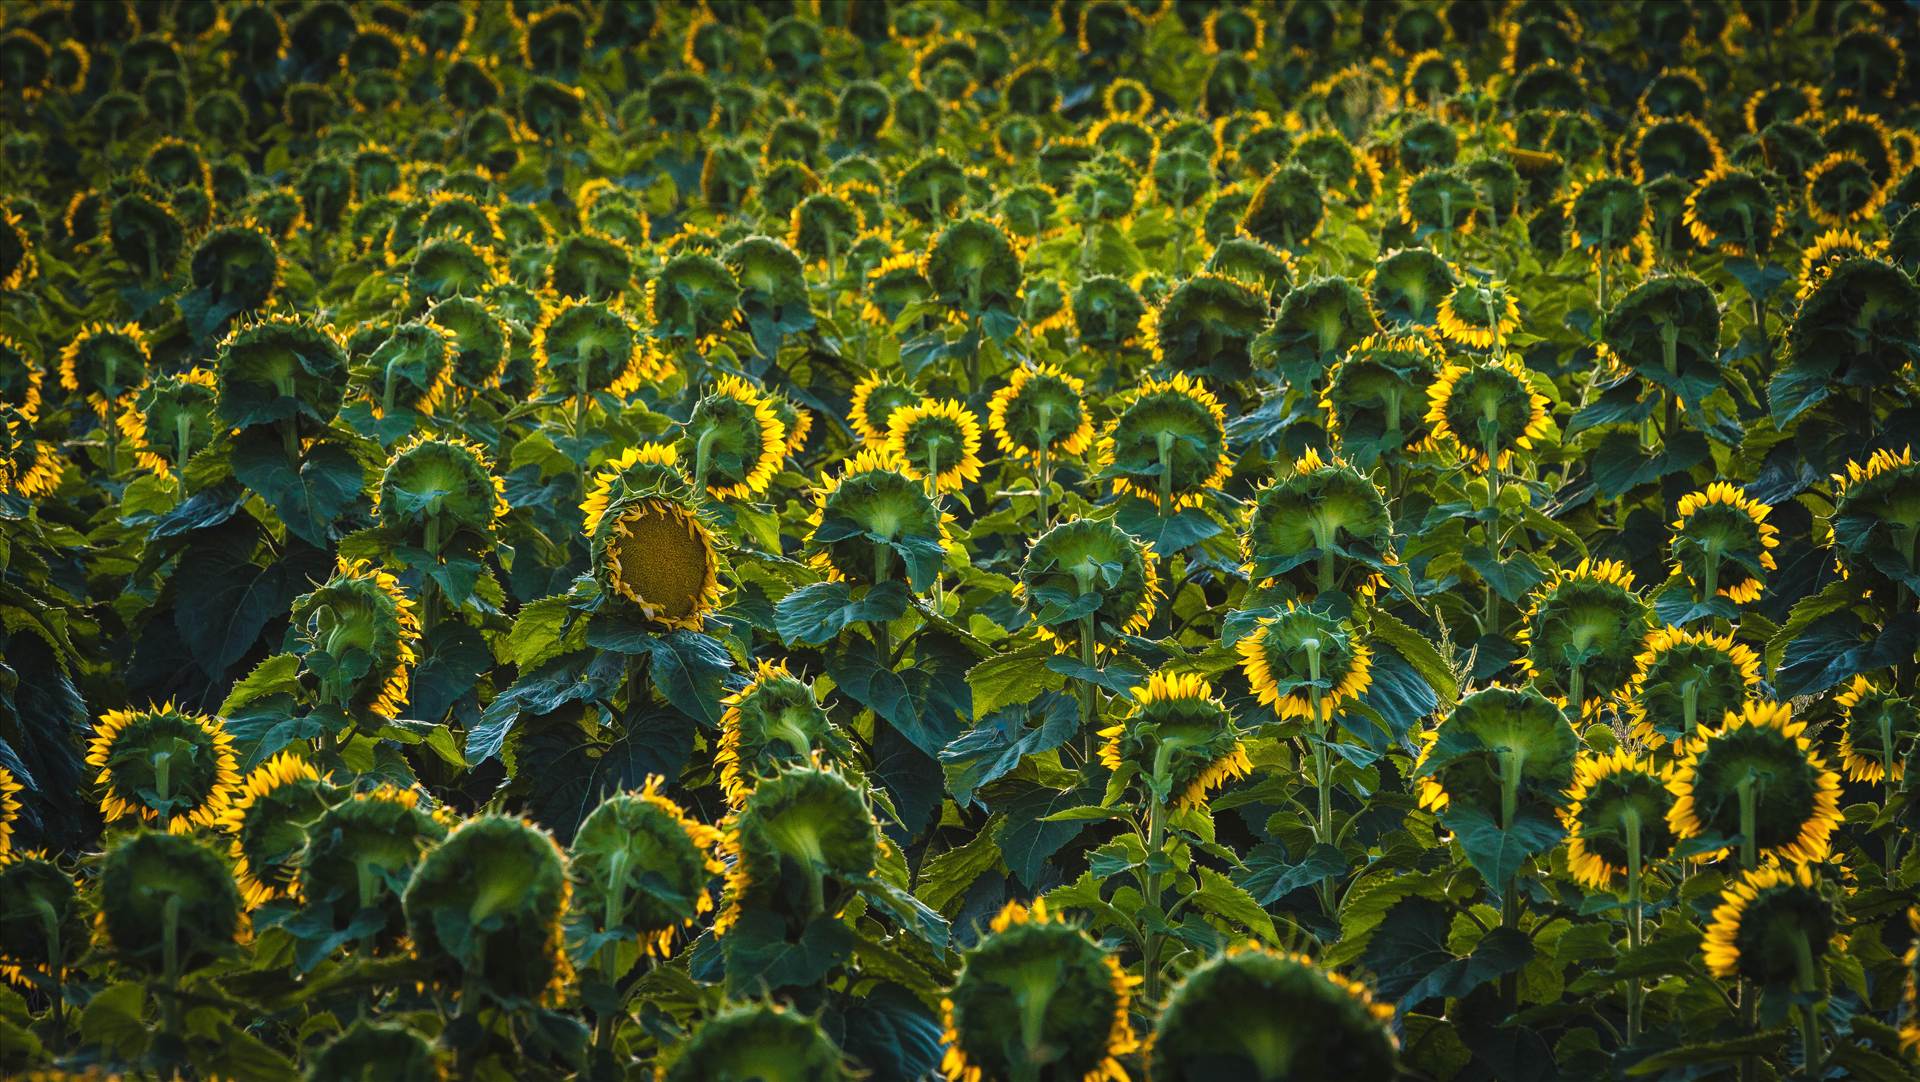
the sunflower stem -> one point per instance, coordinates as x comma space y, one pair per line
1807, 982
1511, 763
1156, 839
882, 635
701, 450
1322, 766
1886, 765
1749, 843
182, 442
1576, 690
1635, 927
1164, 440
1045, 433
1689, 707
170, 963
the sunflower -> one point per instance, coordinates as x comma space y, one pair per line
1876, 516
168, 904
359, 855
103, 361
875, 398
1760, 764
1373, 396
1733, 210
937, 441
1441, 200
1127, 97
1873, 726
10, 790
21, 379
1720, 524
1089, 556
269, 818
774, 721
871, 512
1479, 315
635, 469
1486, 410
735, 438
487, 904
1037, 996
1828, 250
1041, 410
360, 620
801, 841
412, 369
1169, 444
1207, 323
440, 494
1841, 191
1286, 209
1303, 657
1616, 813
1324, 526
640, 867
1500, 750
1256, 1014
1772, 926
43, 927
1406, 287
652, 549
1583, 629
1682, 676
29, 466
1179, 738
1606, 214
163, 765
759, 1040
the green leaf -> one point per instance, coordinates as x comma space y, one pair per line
279, 674
1419, 653
815, 614
1009, 678
544, 630
945, 877
1218, 895
309, 496
1498, 854
114, 1018
1764, 1043
1269, 877
760, 958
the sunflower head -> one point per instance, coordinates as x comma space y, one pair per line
1042, 408
1324, 526
486, 906
648, 468
1177, 739
735, 439
761, 1040
1681, 677
10, 808
1486, 411
382, 1049
1876, 516
1842, 191
773, 722
1089, 558
1305, 656
359, 856
1759, 763
1584, 629
803, 838
936, 441
1037, 996
21, 379
1286, 209
237, 267
1773, 926
1667, 329
160, 887
875, 398
163, 765
1875, 729
481, 341
1606, 214
640, 867
694, 296
360, 635
585, 348
1616, 809
1207, 323
271, 812
1499, 740
102, 362
1733, 210
1252, 1013
1479, 315
410, 369
29, 466
653, 551
43, 928
1722, 543
873, 512
440, 494
972, 266
1169, 444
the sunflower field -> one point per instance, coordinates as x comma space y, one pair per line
988, 540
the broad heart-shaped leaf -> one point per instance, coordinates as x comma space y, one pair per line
223, 600
1269, 876
567, 771
1408, 956
1224, 899
264, 726
311, 495
1498, 854
1619, 464
1028, 840
577, 677
1674, 604
816, 613
995, 746
1840, 644
928, 703
689, 668
760, 958
1169, 533
1512, 577
909, 912
205, 508
1008, 679
886, 1030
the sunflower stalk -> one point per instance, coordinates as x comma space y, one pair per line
170, 964
1089, 655
1636, 929
1807, 983
1886, 764
702, 450
1749, 858
182, 441
1511, 764
1164, 440
882, 635
1045, 467
1322, 769
1150, 886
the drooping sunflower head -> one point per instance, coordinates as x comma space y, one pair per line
1042, 408
735, 439
236, 266
360, 635
1207, 323
1496, 737
441, 494
1375, 396
43, 927
1305, 656
640, 868
280, 368
762, 1040
585, 348
1828, 250
1606, 214
694, 296
1853, 328
1876, 516
1178, 740
1169, 444
377, 1049
872, 515
481, 341
652, 549
271, 813
102, 362
801, 841
972, 266
1758, 756
1479, 315
1583, 630
1681, 677
1722, 543
1773, 926
1252, 1013
10, 790
151, 881
410, 369
875, 398
1732, 209
1089, 556
1037, 996
1842, 191
29, 466
1287, 209
649, 467
937, 441
1678, 146
1486, 411
1406, 287
486, 906
1615, 812
1324, 526
1442, 200
21, 379
1876, 728
773, 722
163, 765
359, 855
